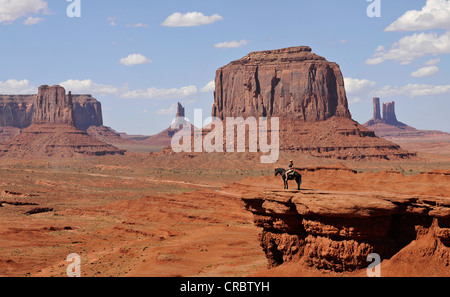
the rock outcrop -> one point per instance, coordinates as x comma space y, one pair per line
53, 107
17, 111
55, 140
53, 132
164, 138
376, 109
307, 93
336, 230
87, 112
389, 117
180, 111
291, 82
410, 138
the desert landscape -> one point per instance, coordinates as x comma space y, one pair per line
130, 206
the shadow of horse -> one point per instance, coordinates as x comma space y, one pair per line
295, 176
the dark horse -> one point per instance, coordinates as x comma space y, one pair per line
296, 176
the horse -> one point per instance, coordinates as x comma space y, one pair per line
295, 176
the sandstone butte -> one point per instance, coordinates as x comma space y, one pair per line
17, 110
386, 125
52, 131
307, 93
291, 82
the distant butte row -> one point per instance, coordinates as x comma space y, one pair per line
303, 89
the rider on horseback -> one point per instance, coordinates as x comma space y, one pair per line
291, 169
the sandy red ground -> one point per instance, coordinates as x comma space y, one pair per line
133, 216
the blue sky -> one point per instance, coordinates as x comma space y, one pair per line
139, 58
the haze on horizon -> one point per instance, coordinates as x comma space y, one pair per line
139, 58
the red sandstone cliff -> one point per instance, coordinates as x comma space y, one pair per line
388, 127
18, 110
53, 107
53, 132
291, 82
307, 93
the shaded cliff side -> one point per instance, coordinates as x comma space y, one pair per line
17, 111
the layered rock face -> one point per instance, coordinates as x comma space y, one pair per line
389, 117
307, 93
87, 112
291, 82
376, 109
53, 107
55, 140
17, 111
53, 132
337, 230
390, 128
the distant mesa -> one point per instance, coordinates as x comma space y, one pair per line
389, 116
52, 131
390, 128
18, 110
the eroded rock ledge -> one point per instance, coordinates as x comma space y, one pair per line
338, 230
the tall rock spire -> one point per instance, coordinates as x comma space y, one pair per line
376, 109
180, 111
389, 116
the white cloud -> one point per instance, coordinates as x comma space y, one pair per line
190, 19
13, 87
231, 44
134, 59
33, 21
342, 41
210, 87
434, 15
172, 110
12, 10
380, 48
138, 25
155, 93
426, 71
433, 62
414, 90
88, 86
411, 47
112, 21
357, 88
